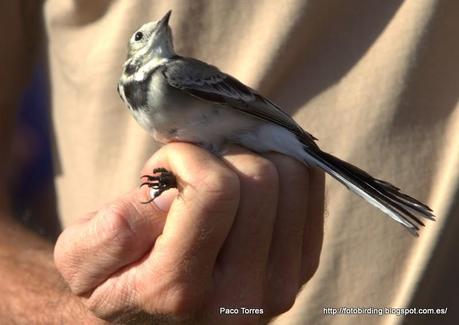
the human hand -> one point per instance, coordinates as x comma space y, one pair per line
245, 231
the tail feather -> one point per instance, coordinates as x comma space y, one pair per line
383, 195
387, 189
408, 200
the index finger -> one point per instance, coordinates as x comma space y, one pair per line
199, 218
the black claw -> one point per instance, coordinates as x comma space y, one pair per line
146, 202
144, 183
150, 177
151, 184
164, 181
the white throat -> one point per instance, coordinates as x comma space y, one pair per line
149, 66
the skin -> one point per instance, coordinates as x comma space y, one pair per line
244, 230
33, 292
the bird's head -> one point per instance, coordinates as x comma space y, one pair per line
152, 40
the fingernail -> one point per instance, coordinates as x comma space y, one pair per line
164, 201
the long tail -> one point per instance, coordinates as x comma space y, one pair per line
383, 195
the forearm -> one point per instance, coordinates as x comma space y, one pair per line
31, 289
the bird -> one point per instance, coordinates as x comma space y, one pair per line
176, 98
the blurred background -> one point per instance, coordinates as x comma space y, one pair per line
31, 180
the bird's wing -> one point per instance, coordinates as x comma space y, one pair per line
208, 83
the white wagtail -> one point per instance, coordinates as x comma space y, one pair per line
183, 99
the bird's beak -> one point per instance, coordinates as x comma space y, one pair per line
165, 20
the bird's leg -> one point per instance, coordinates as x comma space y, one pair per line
161, 180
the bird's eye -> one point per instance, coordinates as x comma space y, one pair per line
138, 36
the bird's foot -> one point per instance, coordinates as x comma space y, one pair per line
161, 180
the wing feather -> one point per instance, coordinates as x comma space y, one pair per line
208, 83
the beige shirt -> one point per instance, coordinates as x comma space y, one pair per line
376, 81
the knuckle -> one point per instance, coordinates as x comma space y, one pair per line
64, 259
111, 304
101, 308
263, 172
71, 274
310, 269
60, 253
116, 226
282, 299
291, 169
223, 184
68, 259
77, 251
184, 300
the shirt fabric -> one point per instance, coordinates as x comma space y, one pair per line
375, 81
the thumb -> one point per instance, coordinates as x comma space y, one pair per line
122, 232
164, 201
